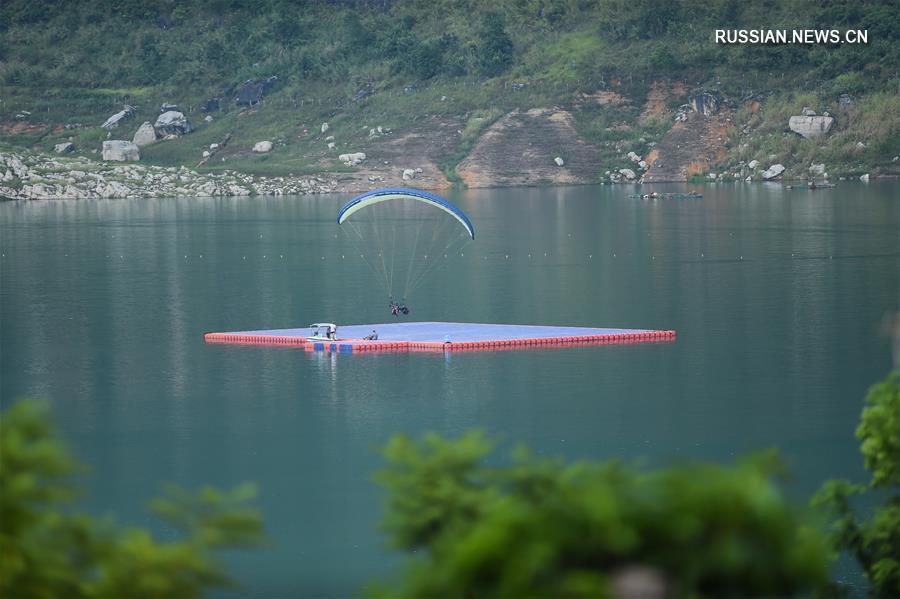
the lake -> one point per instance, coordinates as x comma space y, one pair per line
778, 298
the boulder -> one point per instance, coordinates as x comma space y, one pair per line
817, 170
324, 127
113, 121
208, 118
753, 163
145, 134
251, 92
330, 145
705, 103
807, 111
634, 157
643, 165
627, 173
166, 107
172, 123
559, 161
261, 147
811, 127
409, 174
352, 159
773, 171
864, 178
64, 148
120, 150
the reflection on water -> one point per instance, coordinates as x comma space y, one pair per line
777, 298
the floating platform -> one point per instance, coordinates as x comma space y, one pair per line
443, 337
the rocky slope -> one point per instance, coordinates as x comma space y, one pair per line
538, 146
691, 147
34, 176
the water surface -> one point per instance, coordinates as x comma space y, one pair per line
777, 297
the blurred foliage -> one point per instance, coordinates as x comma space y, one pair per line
543, 528
874, 542
47, 550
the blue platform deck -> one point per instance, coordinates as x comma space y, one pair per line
443, 336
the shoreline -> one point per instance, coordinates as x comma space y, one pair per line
32, 176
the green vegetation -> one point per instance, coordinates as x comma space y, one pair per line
875, 541
78, 61
543, 528
49, 551
535, 527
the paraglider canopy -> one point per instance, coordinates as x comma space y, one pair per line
403, 234
404, 193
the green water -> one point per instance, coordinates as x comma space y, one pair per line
777, 297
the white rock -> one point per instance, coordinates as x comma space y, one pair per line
634, 157
408, 174
352, 159
642, 164
213, 146
324, 127
559, 161
113, 121
811, 127
329, 138
145, 134
860, 145
261, 147
205, 153
753, 163
864, 178
120, 150
773, 171
64, 148
172, 123
330, 145
748, 179
627, 173
208, 118
817, 170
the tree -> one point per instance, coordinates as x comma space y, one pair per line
875, 543
494, 47
47, 551
544, 528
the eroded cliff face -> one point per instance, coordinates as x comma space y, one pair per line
537, 146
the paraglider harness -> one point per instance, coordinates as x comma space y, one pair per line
398, 309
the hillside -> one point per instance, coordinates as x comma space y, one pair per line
450, 92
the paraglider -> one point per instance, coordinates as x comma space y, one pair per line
403, 234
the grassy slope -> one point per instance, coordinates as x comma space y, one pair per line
78, 64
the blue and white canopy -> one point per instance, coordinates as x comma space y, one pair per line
402, 193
